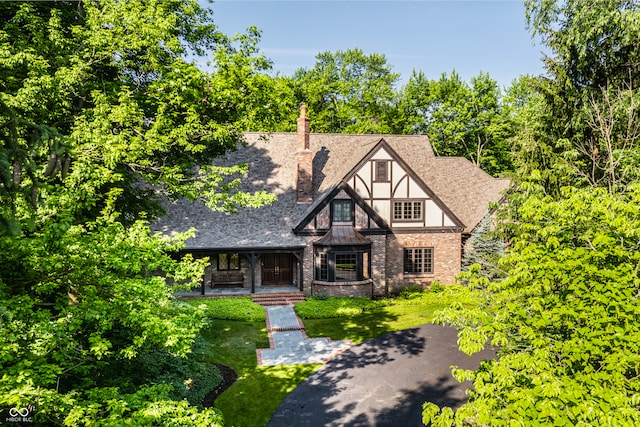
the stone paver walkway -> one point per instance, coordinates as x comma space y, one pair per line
289, 343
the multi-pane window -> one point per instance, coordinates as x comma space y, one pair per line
346, 267
322, 268
381, 171
228, 262
342, 211
333, 266
407, 210
418, 260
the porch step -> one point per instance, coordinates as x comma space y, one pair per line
278, 298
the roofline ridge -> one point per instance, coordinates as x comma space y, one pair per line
340, 134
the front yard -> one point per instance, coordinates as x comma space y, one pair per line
237, 328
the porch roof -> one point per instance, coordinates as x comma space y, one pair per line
343, 235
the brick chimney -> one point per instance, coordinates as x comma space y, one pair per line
304, 160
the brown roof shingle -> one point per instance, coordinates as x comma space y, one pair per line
464, 188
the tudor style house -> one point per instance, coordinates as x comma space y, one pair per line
355, 215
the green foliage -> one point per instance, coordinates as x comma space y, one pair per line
461, 119
241, 309
102, 119
240, 85
188, 377
151, 406
335, 307
314, 308
347, 92
565, 318
582, 127
484, 248
411, 292
97, 99
436, 287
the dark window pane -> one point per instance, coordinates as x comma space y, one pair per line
321, 267
381, 171
397, 210
223, 262
419, 260
407, 210
417, 210
346, 267
342, 211
428, 260
234, 262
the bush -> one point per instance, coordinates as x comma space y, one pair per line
436, 287
241, 309
328, 307
411, 292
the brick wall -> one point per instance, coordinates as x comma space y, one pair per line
446, 258
308, 268
344, 289
378, 263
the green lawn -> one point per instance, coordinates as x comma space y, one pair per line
258, 391
373, 323
254, 397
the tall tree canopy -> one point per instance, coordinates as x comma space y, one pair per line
461, 119
101, 116
587, 126
347, 92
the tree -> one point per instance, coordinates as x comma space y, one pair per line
102, 117
587, 120
483, 250
347, 92
460, 119
565, 319
240, 84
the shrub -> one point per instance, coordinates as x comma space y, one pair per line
436, 287
241, 309
329, 307
411, 292
188, 377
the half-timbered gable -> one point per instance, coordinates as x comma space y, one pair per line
396, 193
341, 206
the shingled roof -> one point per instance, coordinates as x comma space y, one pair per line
464, 188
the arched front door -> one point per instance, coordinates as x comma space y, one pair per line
277, 269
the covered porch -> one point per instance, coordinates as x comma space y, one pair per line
245, 271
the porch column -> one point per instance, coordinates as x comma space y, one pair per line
253, 272
300, 256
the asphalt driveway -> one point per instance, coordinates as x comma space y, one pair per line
382, 382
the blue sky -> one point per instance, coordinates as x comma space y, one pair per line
432, 36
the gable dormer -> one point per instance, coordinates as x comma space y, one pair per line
342, 207
384, 181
